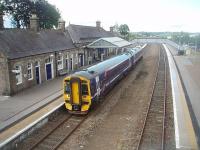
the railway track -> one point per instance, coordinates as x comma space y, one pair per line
152, 135
59, 131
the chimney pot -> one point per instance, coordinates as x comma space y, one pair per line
98, 24
34, 22
61, 25
111, 29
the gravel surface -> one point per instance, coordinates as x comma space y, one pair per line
117, 123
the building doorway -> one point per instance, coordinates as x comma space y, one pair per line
71, 64
81, 60
49, 68
37, 72
48, 72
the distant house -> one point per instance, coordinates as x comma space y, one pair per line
31, 56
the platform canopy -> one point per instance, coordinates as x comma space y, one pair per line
109, 42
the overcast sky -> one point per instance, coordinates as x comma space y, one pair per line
139, 15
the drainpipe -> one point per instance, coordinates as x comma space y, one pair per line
56, 64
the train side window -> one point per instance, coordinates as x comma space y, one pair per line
84, 89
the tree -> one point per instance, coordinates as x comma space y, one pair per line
48, 14
131, 36
116, 28
124, 30
21, 11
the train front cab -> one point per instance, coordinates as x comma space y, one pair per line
77, 95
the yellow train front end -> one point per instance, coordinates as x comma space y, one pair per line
77, 95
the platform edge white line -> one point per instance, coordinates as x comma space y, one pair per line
177, 136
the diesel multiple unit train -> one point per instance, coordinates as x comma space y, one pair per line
84, 87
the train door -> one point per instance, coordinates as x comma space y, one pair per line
98, 86
75, 86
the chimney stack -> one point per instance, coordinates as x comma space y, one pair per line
34, 23
98, 24
1, 21
61, 25
111, 29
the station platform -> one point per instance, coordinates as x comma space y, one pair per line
185, 133
17, 107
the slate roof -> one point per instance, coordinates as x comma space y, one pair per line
109, 42
85, 34
17, 43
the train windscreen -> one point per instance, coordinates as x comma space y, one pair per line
67, 87
84, 89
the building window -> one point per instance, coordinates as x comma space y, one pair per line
60, 62
18, 74
48, 60
37, 64
30, 71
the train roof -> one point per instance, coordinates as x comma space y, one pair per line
102, 66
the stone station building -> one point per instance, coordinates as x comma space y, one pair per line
31, 56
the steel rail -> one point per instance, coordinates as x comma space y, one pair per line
152, 92
149, 105
68, 135
54, 129
164, 105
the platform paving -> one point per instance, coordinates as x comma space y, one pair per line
189, 68
22, 104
